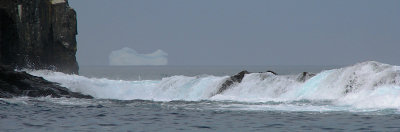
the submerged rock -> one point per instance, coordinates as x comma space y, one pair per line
38, 34
272, 72
13, 84
230, 81
236, 79
305, 76
239, 77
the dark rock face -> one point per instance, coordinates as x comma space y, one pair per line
236, 79
233, 79
38, 34
14, 84
305, 76
239, 77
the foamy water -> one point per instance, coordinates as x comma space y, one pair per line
361, 97
363, 86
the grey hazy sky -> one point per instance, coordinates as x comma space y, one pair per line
241, 32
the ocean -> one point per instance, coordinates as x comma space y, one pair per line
360, 97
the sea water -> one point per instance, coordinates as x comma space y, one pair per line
361, 97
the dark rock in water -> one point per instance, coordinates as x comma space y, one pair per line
305, 76
272, 72
38, 34
13, 83
239, 77
233, 79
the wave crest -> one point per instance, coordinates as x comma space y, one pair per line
366, 85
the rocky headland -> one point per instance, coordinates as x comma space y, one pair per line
36, 34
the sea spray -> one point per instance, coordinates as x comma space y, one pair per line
363, 85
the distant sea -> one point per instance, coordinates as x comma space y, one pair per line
183, 98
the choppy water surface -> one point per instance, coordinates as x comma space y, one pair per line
48, 114
361, 97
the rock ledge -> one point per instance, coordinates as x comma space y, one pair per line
14, 84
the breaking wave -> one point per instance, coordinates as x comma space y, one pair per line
363, 85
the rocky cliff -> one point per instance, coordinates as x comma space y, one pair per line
38, 34
15, 83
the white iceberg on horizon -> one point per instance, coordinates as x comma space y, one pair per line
128, 56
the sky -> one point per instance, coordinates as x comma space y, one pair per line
240, 32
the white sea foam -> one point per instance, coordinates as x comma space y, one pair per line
364, 85
167, 89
